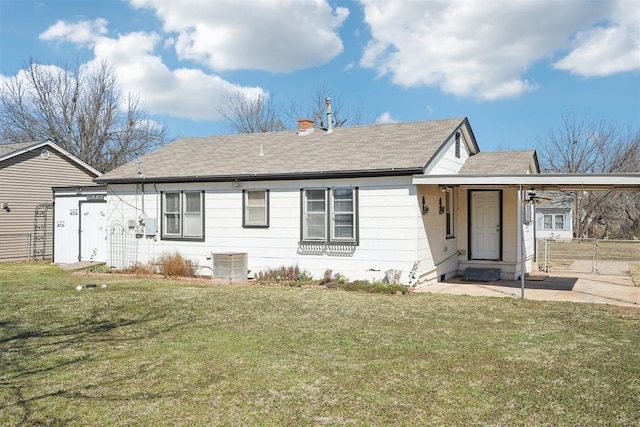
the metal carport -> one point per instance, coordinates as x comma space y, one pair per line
542, 182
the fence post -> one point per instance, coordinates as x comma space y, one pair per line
546, 255
595, 256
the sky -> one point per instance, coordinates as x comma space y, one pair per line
514, 68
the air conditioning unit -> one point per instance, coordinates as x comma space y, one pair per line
231, 267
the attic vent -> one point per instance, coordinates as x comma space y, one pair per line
230, 266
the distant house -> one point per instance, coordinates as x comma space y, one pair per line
554, 218
359, 201
28, 171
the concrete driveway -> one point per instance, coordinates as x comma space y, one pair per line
558, 286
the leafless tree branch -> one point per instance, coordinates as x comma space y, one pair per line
81, 109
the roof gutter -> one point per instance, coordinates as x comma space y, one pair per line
265, 177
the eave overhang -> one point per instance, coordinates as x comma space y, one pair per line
263, 177
560, 182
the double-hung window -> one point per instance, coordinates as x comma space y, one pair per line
255, 208
330, 215
183, 215
553, 222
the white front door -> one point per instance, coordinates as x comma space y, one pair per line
485, 225
93, 231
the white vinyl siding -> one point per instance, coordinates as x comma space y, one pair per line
387, 219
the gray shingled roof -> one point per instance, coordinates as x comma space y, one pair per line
500, 162
384, 147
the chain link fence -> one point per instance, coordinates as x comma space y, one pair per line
598, 256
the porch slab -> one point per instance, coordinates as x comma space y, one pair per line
574, 287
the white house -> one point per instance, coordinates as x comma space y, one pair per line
347, 200
554, 218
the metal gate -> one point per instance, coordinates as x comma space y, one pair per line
123, 249
598, 256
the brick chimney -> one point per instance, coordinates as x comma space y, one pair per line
304, 124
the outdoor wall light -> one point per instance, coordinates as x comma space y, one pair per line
443, 189
5, 206
425, 208
235, 184
440, 207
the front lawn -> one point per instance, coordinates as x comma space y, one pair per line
163, 352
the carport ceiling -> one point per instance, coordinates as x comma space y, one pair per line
543, 181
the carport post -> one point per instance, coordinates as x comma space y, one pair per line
522, 241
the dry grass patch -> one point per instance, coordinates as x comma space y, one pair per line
634, 269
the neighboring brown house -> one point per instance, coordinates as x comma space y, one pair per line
28, 171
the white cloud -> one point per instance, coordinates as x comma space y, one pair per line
483, 49
274, 35
82, 32
610, 48
184, 92
385, 118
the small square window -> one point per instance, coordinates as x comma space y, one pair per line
255, 208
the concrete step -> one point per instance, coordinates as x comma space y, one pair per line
477, 274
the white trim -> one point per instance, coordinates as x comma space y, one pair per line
629, 181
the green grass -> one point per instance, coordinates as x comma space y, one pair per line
164, 352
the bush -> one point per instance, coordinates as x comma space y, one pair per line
371, 287
176, 265
286, 274
139, 269
99, 268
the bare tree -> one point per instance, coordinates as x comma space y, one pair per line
588, 145
81, 109
262, 114
251, 115
315, 107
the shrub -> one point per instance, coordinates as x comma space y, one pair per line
341, 279
140, 269
279, 274
372, 287
176, 265
100, 268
